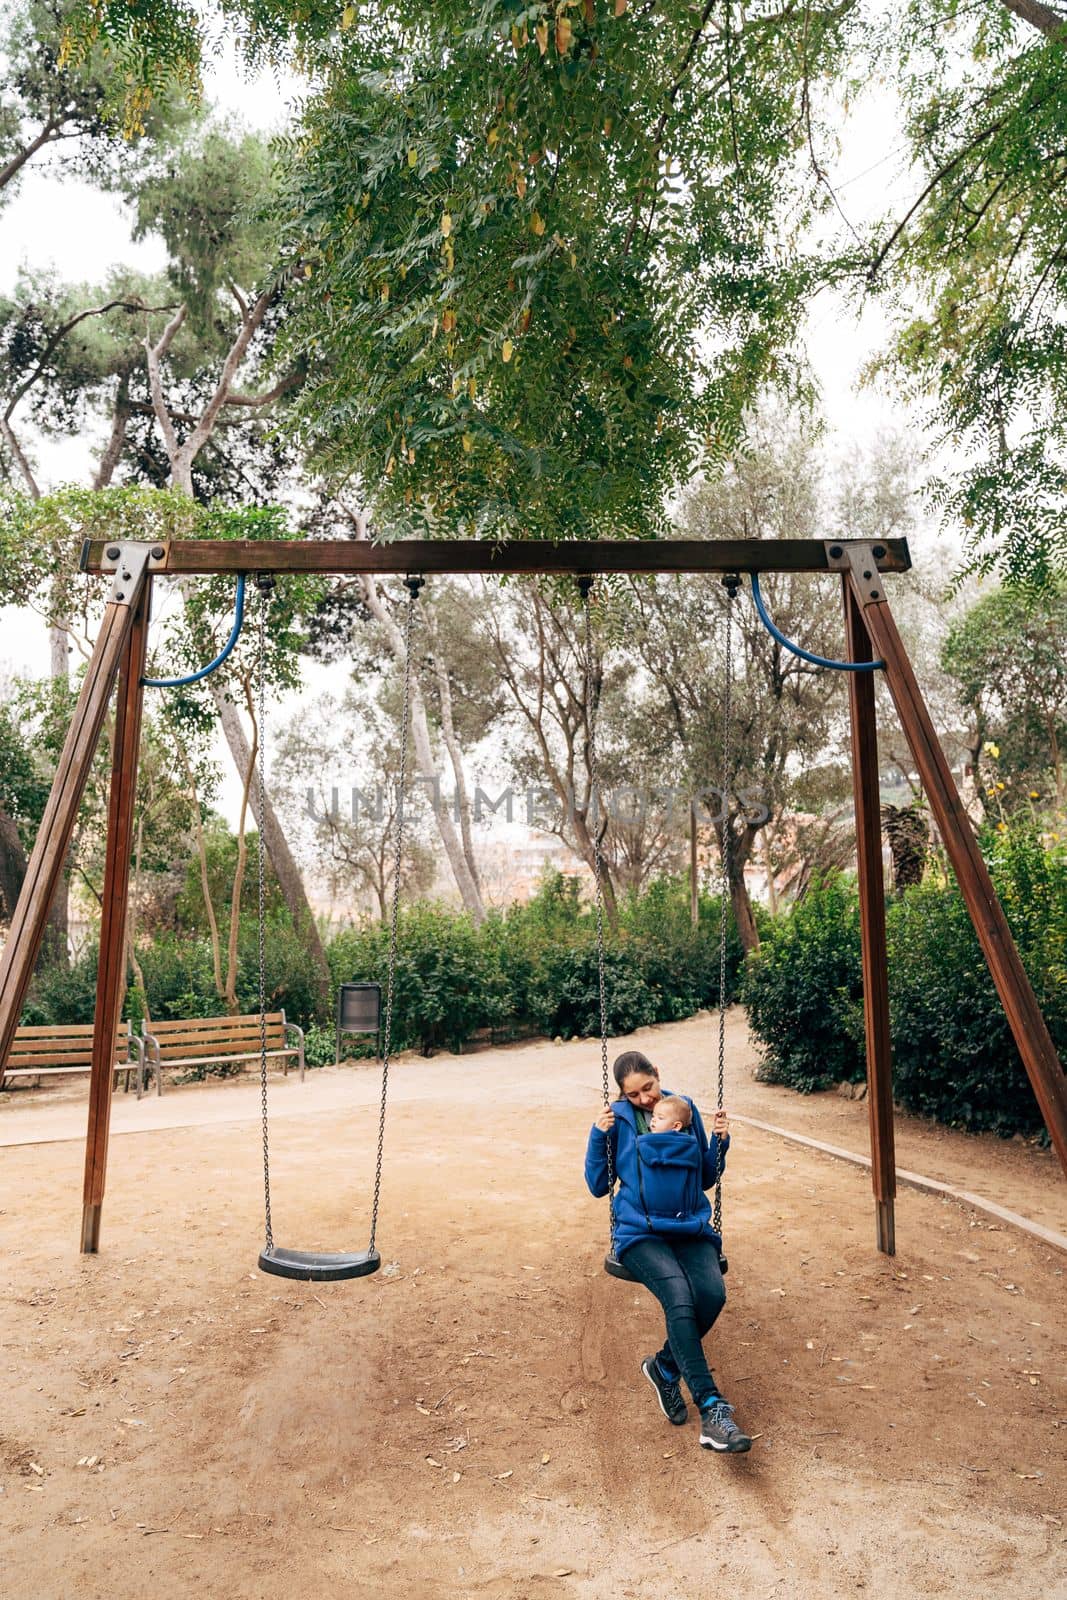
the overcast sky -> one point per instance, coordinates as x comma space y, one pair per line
83, 234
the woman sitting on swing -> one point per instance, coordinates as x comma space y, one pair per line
664, 1237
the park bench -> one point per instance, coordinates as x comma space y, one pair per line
191, 1042
47, 1051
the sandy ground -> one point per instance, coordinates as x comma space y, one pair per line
471, 1421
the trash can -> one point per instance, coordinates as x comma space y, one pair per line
359, 1010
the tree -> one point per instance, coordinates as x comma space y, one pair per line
573, 193
67, 106
978, 267
1008, 656
352, 831
537, 645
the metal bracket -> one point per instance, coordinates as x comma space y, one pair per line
132, 562
859, 558
119, 554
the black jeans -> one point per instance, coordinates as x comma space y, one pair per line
683, 1274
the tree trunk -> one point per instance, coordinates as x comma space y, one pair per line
54, 947
281, 858
420, 733
455, 755
740, 849
12, 865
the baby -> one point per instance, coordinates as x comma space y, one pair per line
671, 1114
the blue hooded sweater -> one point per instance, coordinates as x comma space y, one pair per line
661, 1177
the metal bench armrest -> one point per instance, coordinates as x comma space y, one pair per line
150, 1045
298, 1034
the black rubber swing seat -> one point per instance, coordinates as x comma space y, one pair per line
615, 1269
317, 1266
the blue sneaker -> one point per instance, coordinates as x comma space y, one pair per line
668, 1394
719, 1431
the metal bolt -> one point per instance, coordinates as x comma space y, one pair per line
836, 552
874, 594
126, 577
120, 597
113, 554
868, 574
158, 552
878, 552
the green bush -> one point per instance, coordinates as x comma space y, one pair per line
530, 968
63, 994
449, 982
680, 963
803, 991
565, 995
179, 976
954, 1057
320, 1045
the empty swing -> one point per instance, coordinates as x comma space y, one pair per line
309, 1265
612, 1265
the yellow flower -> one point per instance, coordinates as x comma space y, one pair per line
1000, 786
1034, 795
1002, 827
992, 749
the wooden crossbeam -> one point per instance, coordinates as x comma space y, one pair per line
192, 556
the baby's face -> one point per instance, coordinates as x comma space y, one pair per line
662, 1122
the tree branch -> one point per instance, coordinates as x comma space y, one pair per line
283, 386
119, 421
1039, 16
203, 430
942, 173
20, 459
61, 333
18, 161
155, 354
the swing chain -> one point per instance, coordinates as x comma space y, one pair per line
413, 585
731, 583
585, 585
265, 585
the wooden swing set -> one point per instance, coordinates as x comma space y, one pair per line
872, 643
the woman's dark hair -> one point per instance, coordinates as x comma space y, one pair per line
631, 1061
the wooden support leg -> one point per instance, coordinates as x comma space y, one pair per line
60, 814
872, 925
111, 971
991, 925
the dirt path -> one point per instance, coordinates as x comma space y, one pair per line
471, 1422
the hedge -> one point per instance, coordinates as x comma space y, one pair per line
954, 1057
530, 969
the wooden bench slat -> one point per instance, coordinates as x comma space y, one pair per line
64, 1030
197, 1048
44, 1071
210, 1024
83, 1049
246, 1031
247, 1055
51, 1058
